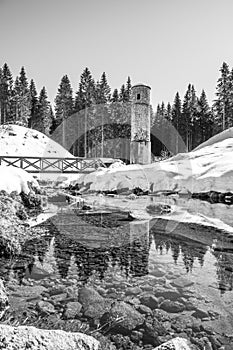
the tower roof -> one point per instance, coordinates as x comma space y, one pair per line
141, 85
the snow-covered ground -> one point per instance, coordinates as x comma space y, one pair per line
13, 179
207, 168
17, 140
181, 211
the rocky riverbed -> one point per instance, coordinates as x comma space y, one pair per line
125, 292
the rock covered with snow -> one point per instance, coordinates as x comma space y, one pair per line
18, 140
202, 170
28, 337
17, 180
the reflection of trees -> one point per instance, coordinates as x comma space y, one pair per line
178, 246
224, 270
131, 257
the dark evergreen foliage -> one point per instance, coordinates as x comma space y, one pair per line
64, 104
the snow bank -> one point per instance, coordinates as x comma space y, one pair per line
17, 140
207, 168
15, 179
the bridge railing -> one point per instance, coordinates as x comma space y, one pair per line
53, 164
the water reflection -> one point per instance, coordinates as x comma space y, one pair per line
224, 265
64, 256
176, 247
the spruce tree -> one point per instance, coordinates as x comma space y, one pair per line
122, 95
44, 119
34, 103
168, 114
188, 111
222, 104
102, 115
176, 119
24, 105
85, 96
6, 94
115, 96
84, 101
204, 121
64, 101
128, 90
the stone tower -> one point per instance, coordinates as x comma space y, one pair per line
140, 145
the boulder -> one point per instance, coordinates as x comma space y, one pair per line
177, 344
72, 309
123, 317
150, 301
3, 299
31, 338
45, 307
172, 306
152, 330
93, 304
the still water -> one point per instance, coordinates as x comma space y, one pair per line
124, 260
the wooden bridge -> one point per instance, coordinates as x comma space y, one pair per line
53, 164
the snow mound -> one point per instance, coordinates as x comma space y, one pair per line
209, 168
18, 140
217, 138
17, 180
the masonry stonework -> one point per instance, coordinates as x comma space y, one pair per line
140, 146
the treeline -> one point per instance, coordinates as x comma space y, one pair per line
21, 104
193, 118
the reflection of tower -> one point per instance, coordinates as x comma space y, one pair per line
140, 146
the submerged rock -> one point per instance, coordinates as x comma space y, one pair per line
123, 317
31, 338
177, 344
93, 304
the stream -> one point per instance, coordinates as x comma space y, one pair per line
167, 280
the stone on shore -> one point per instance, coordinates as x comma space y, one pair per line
31, 338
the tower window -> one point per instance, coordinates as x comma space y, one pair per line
138, 96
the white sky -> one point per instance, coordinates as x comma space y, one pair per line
163, 43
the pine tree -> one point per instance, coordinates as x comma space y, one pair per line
85, 96
52, 119
15, 101
84, 101
128, 90
158, 130
6, 94
24, 103
64, 101
230, 96
222, 105
176, 119
44, 119
103, 91
20, 101
115, 96
34, 103
102, 116
168, 114
204, 121
188, 112
122, 96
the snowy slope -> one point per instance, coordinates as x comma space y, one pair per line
17, 140
207, 168
15, 179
